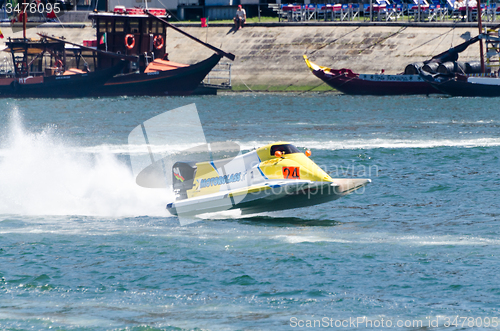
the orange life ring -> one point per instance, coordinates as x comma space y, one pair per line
22, 67
158, 42
130, 41
59, 64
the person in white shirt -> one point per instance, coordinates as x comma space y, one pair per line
240, 18
459, 4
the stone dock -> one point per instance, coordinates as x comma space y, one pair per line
269, 57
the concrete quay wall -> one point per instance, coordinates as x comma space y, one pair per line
269, 57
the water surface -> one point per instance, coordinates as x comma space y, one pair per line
83, 248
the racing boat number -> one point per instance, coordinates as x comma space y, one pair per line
291, 172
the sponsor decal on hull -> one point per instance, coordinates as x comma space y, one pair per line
220, 180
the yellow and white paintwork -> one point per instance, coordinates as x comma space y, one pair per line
266, 167
256, 181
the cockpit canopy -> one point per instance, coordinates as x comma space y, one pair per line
284, 149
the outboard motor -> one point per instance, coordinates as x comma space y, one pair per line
183, 174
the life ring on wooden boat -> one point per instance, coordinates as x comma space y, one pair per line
21, 67
59, 64
158, 42
129, 41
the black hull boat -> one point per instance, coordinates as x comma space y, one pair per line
414, 80
58, 86
465, 81
482, 82
179, 81
128, 58
143, 34
348, 82
461, 85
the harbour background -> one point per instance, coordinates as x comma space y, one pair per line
83, 248
269, 57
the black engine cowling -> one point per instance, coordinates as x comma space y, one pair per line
183, 174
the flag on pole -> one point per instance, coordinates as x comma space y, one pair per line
1, 34
103, 39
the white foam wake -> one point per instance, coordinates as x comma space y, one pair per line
40, 174
316, 144
401, 143
383, 143
386, 238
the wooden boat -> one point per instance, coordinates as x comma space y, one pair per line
348, 82
480, 83
168, 78
50, 66
477, 83
142, 33
40, 70
418, 78
468, 86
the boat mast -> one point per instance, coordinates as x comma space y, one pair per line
25, 16
220, 52
480, 27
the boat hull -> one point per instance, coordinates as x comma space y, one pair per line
489, 87
69, 86
348, 82
181, 81
306, 197
376, 84
274, 197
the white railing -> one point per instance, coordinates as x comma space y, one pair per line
220, 76
6, 67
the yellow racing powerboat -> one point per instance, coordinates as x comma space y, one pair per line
274, 177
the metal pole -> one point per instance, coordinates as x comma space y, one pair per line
419, 10
480, 27
371, 10
467, 10
25, 18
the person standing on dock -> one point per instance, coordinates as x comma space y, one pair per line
240, 18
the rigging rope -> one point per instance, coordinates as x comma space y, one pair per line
312, 88
334, 41
428, 41
441, 40
245, 84
384, 39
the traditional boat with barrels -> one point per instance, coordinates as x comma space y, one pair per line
40, 72
480, 79
44, 68
349, 82
127, 59
142, 33
414, 80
